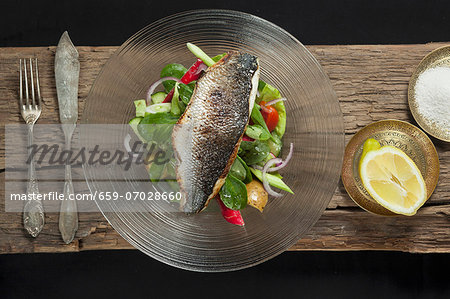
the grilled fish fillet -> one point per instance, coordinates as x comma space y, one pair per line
207, 136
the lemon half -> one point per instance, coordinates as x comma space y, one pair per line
393, 180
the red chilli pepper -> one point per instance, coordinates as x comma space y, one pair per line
192, 74
231, 216
169, 97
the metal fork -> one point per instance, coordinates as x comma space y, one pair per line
30, 108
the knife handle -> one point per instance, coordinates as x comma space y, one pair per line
68, 214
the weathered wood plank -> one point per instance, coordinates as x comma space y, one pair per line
371, 84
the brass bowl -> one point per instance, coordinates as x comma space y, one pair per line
410, 139
438, 57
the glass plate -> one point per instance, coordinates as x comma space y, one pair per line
206, 242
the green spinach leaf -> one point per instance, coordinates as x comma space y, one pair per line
259, 119
155, 171
248, 173
156, 127
238, 170
253, 152
185, 91
257, 132
172, 70
233, 193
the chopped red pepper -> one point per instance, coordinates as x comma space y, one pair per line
192, 74
231, 216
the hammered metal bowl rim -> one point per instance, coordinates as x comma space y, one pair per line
348, 179
420, 68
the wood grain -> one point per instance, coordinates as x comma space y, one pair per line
371, 83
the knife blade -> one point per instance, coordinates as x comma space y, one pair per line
67, 70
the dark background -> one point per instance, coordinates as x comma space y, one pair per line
91, 22
121, 274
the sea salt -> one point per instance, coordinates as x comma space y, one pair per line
432, 93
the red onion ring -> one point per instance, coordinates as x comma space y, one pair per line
152, 87
202, 67
273, 156
286, 161
280, 164
126, 144
268, 168
270, 103
264, 178
257, 167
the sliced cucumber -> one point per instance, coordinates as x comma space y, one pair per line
275, 144
200, 54
272, 180
218, 57
140, 107
157, 108
134, 122
175, 108
158, 97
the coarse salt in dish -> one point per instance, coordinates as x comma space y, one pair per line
432, 93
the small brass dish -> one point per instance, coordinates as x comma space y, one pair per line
410, 139
438, 57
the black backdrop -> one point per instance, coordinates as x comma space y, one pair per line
120, 274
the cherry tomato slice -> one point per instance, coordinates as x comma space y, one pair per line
270, 115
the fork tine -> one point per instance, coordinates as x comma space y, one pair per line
32, 84
21, 84
26, 82
37, 84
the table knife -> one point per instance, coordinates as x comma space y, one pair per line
67, 70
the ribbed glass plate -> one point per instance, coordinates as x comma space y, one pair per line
205, 242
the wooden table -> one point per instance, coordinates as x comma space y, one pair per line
371, 83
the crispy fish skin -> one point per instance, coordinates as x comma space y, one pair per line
207, 136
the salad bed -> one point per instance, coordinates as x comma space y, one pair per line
255, 169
